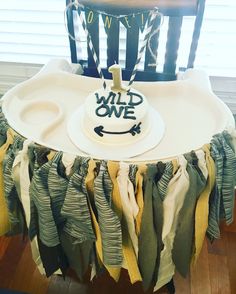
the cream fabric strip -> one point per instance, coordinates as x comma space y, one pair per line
129, 205
172, 204
202, 162
20, 172
68, 161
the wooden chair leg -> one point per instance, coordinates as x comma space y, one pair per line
171, 287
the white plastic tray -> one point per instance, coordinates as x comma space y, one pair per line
40, 108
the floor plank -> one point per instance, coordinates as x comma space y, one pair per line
4, 242
182, 285
58, 285
200, 276
219, 274
232, 227
231, 260
38, 284
10, 260
17, 268
218, 246
214, 273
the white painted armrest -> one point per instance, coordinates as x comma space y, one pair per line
201, 80
55, 65
196, 76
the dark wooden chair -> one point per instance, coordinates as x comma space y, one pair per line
175, 10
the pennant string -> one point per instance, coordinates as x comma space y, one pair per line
152, 15
78, 7
151, 20
121, 15
151, 36
90, 44
76, 4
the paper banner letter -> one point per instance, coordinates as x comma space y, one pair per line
127, 21
141, 20
91, 16
109, 21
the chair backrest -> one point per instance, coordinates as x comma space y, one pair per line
176, 10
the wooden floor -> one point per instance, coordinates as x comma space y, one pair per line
214, 273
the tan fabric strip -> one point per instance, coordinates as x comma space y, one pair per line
202, 208
139, 195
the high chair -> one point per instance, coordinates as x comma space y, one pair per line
173, 11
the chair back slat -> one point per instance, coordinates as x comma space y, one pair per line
172, 44
70, 27
151, 59
93, 30
113, 43
132, 41
196, 33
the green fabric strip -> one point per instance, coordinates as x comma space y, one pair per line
57, 186
75, 207
150, 239
222, 198
183, 241
229, 178
16, 213
163, 183
108, 221
39, 193
132, 174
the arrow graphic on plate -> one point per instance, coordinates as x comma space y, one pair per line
133, 131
